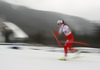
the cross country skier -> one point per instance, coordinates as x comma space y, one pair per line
70, 38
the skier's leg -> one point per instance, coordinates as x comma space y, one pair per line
70, 47
70, 42
77, 52
66, 49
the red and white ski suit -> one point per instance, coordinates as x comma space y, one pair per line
70, 38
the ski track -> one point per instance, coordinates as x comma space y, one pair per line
26, 58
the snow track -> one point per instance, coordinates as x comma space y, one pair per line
26, 58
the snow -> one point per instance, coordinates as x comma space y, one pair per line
27, 58
18, 33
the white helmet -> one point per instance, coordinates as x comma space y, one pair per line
59, 21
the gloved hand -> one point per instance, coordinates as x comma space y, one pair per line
56, 32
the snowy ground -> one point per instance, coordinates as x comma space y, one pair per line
32, 58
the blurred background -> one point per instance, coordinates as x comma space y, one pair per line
30, 21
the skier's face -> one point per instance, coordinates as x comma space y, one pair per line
59, 24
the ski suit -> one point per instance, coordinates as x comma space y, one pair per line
70, 38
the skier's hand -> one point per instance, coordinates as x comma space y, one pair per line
56, 32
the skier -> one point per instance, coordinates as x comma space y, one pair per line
70, 38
